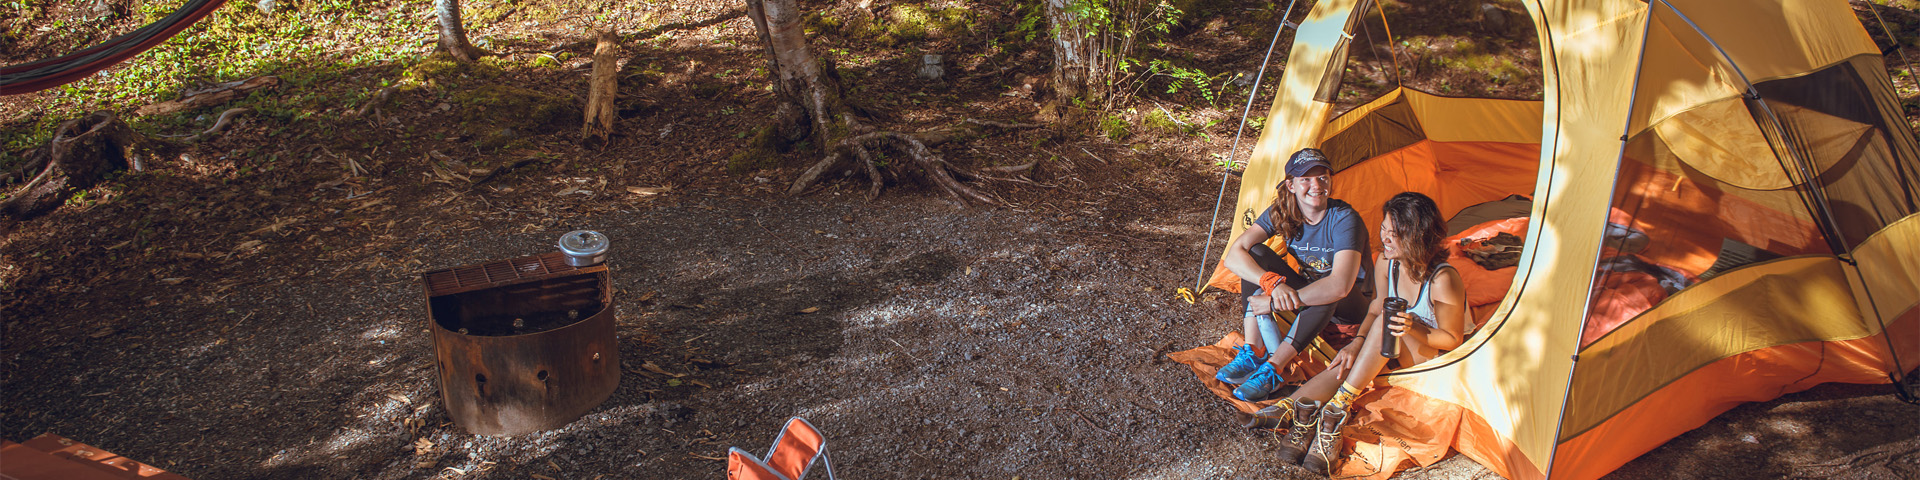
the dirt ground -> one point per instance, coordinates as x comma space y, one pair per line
250, 307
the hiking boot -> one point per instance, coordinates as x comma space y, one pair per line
1306, 416
1259, 385
1326, 441
1242, 366
1276, 416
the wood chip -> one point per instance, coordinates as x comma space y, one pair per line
401, 398
810, 310
656, 369
648, 191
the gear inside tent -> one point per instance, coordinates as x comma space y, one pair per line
1714, 203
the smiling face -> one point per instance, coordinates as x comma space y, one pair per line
1312, 189
1390, 241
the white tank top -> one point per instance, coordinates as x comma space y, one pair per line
1422, 306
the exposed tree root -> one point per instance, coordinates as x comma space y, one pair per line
933, 168
219, 125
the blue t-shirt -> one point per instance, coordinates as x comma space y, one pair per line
1340, 229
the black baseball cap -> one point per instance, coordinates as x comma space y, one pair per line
1305, 160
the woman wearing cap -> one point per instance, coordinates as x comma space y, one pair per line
1413, 267
1329, 240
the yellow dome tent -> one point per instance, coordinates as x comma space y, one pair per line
1697, 124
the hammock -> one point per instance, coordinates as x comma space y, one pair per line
53, 72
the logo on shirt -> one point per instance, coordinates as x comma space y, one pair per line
1318, 264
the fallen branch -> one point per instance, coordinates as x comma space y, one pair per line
219, 125
1011, 169
496, 172
992, 123
214, 95
373, 105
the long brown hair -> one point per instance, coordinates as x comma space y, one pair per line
1287, 217
1422, 234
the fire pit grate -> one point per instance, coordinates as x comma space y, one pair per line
522, 345
493, 274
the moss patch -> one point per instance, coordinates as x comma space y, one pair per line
499, 115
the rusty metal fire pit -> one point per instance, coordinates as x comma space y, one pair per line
522, 345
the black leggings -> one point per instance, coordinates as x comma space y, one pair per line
1308, 321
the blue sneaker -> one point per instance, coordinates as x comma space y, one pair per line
1243, 364
1260, 384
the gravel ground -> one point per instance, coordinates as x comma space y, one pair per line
978, 343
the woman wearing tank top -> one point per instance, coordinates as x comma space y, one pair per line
1413, 267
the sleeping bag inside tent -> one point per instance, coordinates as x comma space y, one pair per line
1717, 204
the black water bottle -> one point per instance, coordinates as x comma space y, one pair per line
1390, 345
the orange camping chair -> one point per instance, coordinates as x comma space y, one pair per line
792, 456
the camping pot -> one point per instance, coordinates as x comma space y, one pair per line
1389, 344
584, 247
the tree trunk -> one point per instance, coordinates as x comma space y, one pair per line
453, 34
1075, 55
815, 107
797, 78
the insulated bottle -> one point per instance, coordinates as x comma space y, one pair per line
1390, 345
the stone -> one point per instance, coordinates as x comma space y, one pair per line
1493, 18
930, 69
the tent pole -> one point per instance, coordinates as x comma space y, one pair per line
1817, 200
1812, 195
1626, 132
1200, 275
1897, 47
1899, 369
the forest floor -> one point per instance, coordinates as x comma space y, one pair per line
250, 306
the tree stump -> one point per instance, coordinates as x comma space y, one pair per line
602, 89
81, 154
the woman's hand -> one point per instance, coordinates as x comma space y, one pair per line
1404, 323
1285, 298
1343, 361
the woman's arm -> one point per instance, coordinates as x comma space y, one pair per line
1346, 356
1449, 299
1240, 259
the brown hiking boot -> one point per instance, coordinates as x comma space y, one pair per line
1276, 416
1293, 446
1326, 441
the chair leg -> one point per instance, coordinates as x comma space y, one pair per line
826, 461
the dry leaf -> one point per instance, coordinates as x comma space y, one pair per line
248, 244
700, 383
810, 310
646, 191
401, 398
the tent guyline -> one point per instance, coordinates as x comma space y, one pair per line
53, 72
1200, 274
